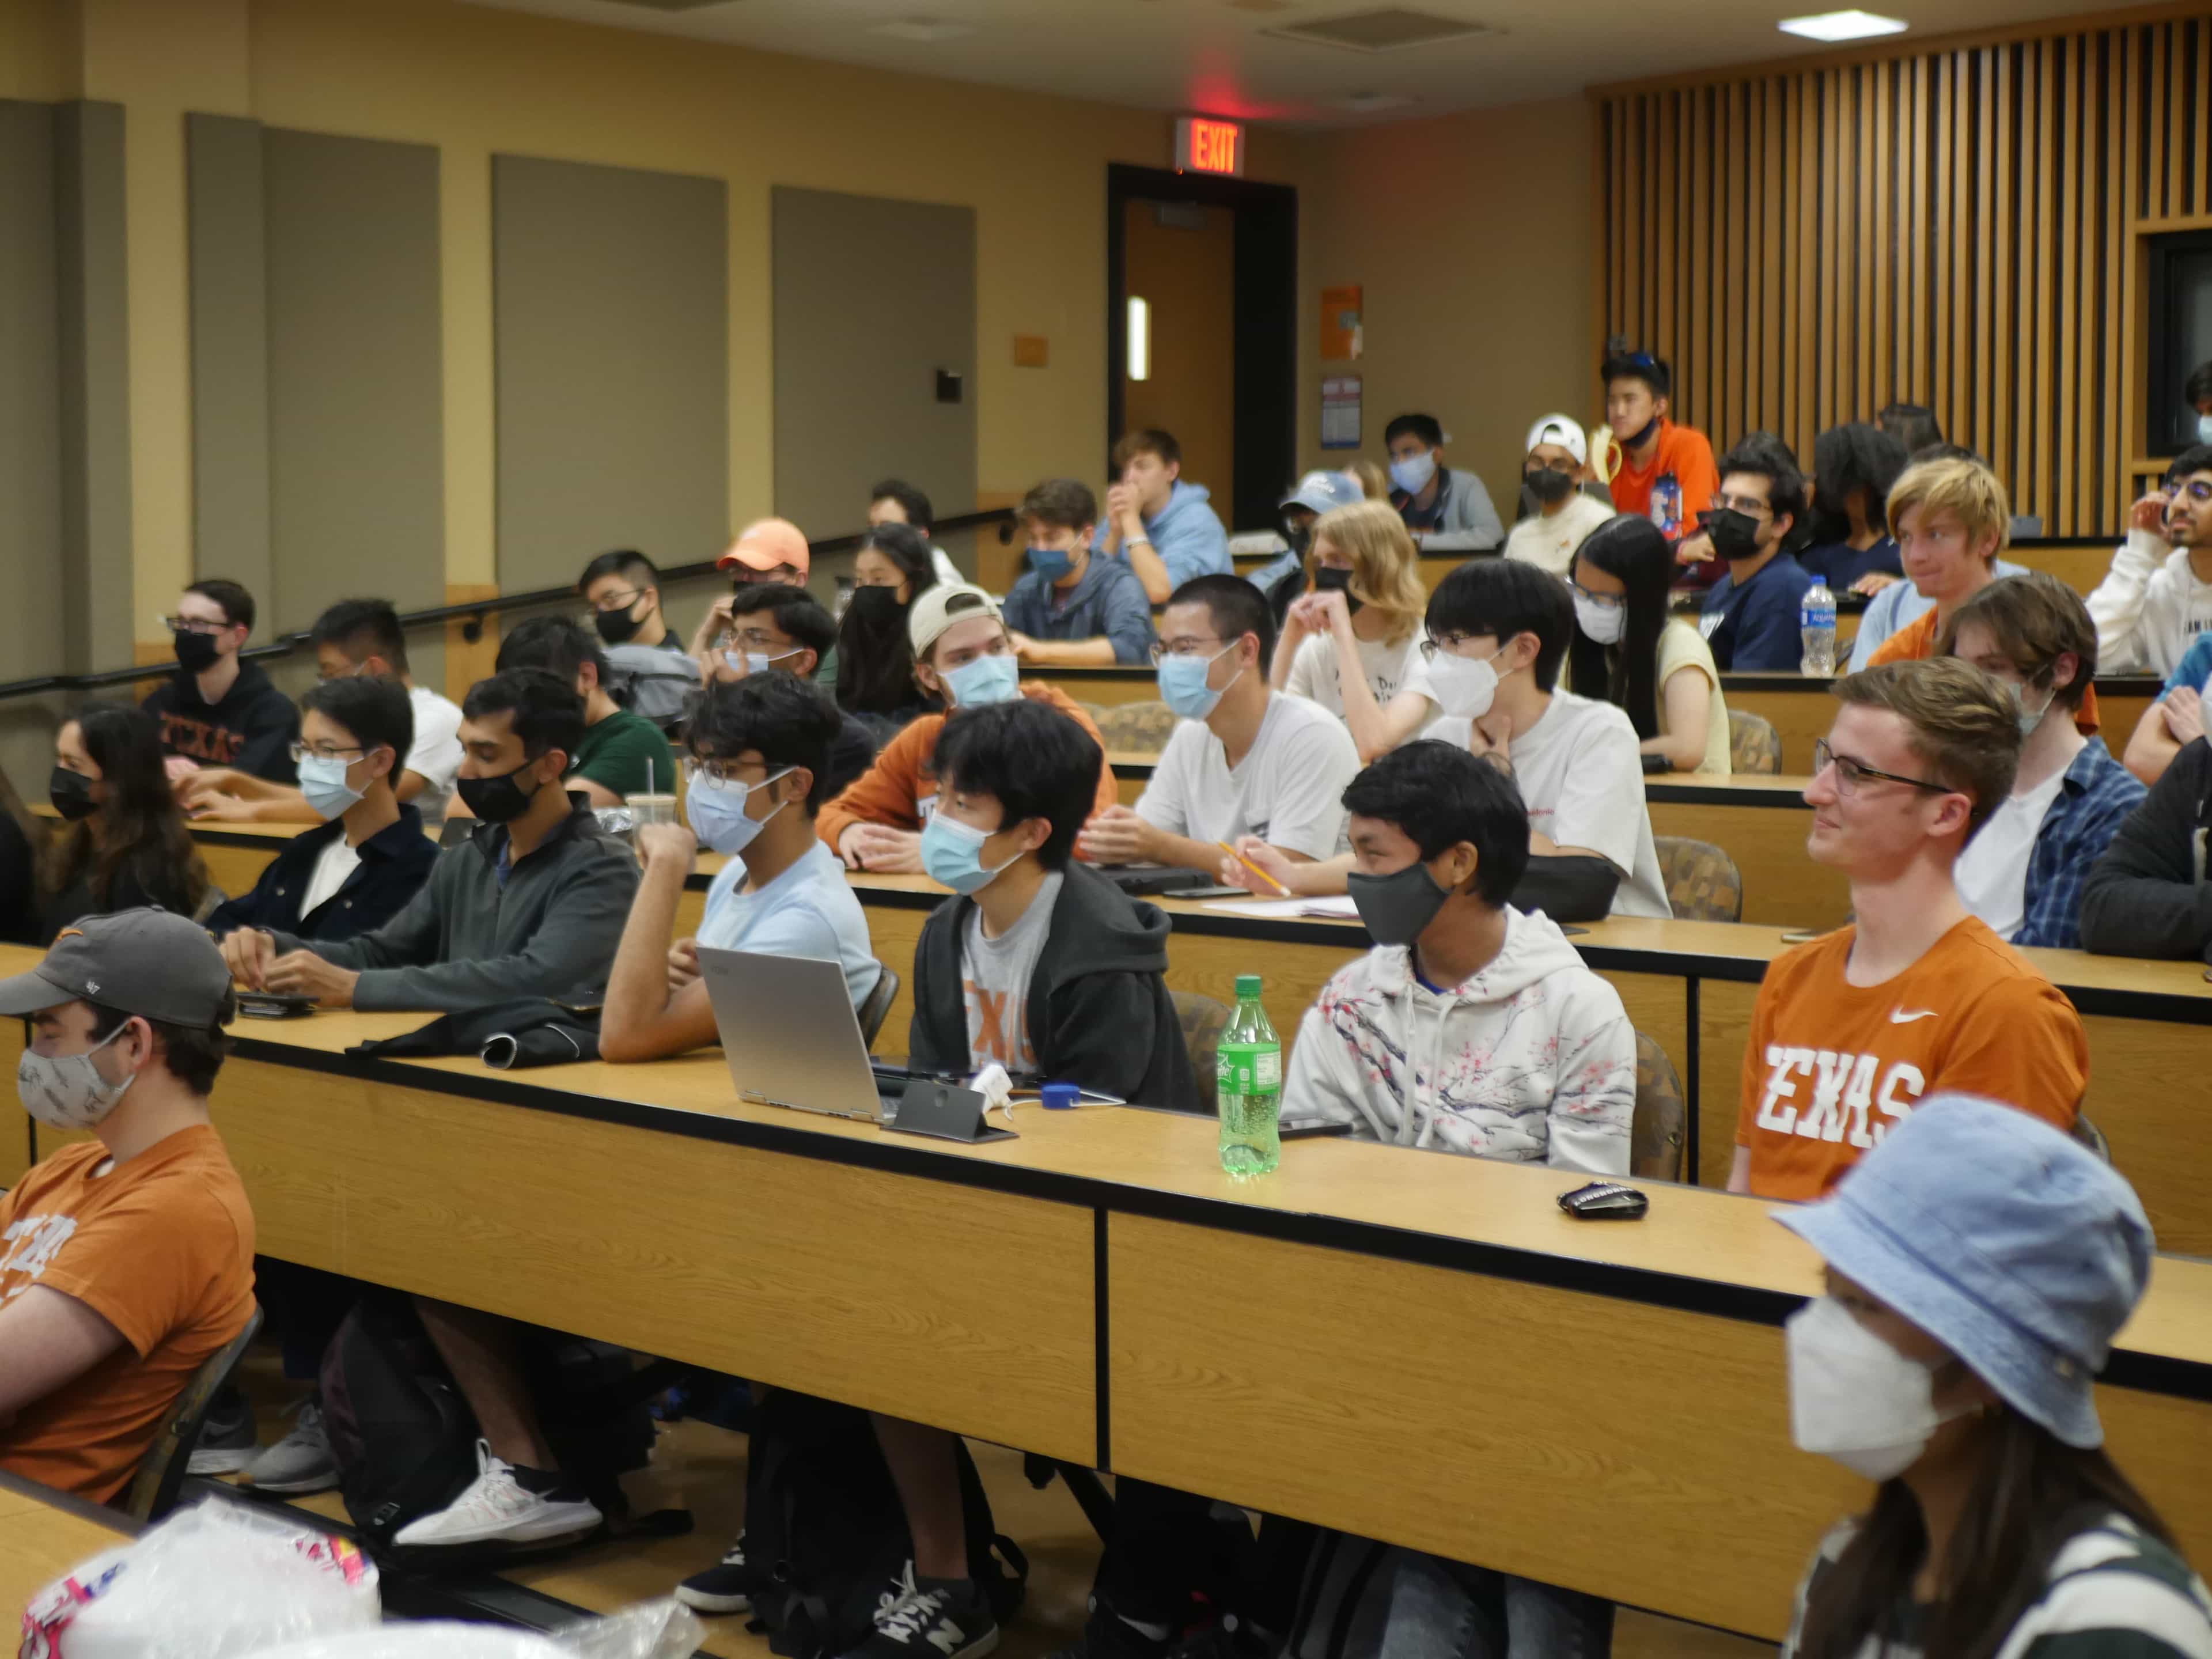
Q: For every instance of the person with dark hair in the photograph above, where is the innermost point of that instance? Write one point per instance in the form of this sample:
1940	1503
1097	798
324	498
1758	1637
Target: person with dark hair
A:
1667	472
623	754
361	865
216	710
2023	872
1048	968
1914	996
652	672
893	500
1915	427
122	842
125	1257
1632	650
965	658
1244	760
1073	607
530	906
354	638
2149	895
2156	599
1446	508
1854	465
1470	1026
875	664
1158	526
1498	631
1751	618
766	628
759	751
1978	1267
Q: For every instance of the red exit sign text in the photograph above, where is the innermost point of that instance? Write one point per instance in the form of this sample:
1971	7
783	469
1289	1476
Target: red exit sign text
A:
1204	146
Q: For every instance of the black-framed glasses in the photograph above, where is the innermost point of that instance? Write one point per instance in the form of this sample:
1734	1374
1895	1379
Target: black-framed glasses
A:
1188	647
195	625
1849	774
1604	601
300	751
1449	642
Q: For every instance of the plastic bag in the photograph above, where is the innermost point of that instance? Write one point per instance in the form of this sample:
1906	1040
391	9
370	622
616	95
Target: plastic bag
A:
217	1581
435	1638
662	1629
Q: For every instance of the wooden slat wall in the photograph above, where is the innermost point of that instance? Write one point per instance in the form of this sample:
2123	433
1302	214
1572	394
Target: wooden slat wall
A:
1956	228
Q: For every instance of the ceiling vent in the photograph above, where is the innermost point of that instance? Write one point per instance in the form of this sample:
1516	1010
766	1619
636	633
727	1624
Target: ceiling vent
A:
1390	29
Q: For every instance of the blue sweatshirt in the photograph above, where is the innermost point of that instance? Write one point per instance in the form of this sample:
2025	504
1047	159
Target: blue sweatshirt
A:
1753	629
1109	601
1186	534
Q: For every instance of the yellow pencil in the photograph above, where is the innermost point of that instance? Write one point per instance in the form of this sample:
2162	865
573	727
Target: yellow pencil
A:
1254	868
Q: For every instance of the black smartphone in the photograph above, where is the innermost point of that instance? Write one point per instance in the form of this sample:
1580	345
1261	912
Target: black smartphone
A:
267	1004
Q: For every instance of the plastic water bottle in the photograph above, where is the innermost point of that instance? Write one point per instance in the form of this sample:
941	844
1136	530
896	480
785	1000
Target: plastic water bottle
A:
1816	626
1249	1086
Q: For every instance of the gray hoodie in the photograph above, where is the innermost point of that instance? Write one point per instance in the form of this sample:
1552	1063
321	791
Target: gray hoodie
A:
1532	1060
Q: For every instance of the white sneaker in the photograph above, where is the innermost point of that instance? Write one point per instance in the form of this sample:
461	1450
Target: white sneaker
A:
496	1508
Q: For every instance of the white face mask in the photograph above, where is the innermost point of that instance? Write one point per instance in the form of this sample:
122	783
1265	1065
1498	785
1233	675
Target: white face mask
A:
65	1091
1605	623
1853	1397
1465	687
1413	474
2031	718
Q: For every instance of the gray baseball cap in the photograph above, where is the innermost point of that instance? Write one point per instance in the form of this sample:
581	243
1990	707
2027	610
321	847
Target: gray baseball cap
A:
1324	492
151	963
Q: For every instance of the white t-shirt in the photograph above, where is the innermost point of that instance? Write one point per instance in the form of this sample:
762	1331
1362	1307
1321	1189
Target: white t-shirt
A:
436	756
1388	669
1991	874
1580	771
807	911
1288	790
994	980
338	861
1551	543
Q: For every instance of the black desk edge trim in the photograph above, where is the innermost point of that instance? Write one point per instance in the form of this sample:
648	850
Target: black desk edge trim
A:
69	1504
1628	1284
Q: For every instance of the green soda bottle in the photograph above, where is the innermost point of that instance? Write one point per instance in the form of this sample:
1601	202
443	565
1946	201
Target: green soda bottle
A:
1249	1086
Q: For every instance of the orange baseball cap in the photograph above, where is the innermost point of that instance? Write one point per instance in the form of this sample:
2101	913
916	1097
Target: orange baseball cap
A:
765	543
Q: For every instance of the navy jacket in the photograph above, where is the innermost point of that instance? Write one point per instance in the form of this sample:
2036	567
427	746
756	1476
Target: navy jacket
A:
1753	629
395	862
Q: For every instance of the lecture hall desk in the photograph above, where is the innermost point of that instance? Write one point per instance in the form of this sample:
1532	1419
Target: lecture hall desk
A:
43	1533
1412	1346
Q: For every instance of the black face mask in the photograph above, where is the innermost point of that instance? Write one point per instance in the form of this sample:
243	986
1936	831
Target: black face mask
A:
1330	579
1300	536
1550	485
1643	437
1396	909
1735	535
875	607
497	800
71	795
196	653
617	627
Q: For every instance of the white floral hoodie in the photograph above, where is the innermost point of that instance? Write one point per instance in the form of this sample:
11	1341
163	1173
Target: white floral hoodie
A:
1531	1059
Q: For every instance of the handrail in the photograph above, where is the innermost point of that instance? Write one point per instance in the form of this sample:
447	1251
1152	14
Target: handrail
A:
471	613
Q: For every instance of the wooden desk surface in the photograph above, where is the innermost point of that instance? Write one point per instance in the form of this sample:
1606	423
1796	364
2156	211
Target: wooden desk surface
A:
43	1533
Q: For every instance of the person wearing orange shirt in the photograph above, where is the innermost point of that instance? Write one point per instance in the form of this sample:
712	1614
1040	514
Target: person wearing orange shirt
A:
1915	997
1667	472
126	1258
1952	518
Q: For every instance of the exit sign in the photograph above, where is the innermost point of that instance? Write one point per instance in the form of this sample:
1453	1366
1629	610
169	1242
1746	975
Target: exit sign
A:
1205	146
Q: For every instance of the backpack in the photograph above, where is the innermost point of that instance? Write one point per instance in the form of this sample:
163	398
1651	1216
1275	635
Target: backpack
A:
826	1536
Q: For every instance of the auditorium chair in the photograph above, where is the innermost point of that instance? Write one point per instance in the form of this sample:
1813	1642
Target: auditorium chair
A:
1703	884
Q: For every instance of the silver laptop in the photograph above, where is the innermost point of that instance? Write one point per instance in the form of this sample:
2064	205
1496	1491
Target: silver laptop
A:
789	1031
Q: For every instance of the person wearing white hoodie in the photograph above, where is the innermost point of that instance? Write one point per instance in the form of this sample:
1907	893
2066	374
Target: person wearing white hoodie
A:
2157	597
1471	1027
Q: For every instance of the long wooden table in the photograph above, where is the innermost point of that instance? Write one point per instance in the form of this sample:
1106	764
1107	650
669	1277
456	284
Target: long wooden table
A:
43	1533
1098	1290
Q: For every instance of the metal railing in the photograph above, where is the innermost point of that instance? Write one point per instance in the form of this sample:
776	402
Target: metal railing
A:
471	615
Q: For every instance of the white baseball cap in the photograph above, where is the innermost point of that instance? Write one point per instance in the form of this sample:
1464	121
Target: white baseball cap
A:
1560	430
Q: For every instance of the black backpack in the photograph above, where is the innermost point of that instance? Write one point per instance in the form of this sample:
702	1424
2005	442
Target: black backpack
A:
826	1536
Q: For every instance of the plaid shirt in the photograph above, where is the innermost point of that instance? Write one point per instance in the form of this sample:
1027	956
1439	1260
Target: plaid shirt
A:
2096	794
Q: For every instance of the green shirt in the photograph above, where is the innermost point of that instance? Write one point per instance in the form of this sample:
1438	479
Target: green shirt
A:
626	754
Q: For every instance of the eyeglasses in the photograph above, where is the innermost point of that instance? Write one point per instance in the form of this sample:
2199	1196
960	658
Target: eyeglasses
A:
194	625
1849	774
1187	647
2197	491
1450	642
1603	601
720	774
325	751
752	639
1749	505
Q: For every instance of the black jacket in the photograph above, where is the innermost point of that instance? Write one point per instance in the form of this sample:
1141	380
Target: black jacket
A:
137	882
1099	1013
395	862
2148	896
252	728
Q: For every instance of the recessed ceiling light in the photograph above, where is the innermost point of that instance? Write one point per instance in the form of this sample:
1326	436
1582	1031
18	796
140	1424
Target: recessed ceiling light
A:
1367	103
922	28
1841	26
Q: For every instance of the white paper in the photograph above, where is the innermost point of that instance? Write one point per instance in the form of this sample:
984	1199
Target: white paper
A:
1340	905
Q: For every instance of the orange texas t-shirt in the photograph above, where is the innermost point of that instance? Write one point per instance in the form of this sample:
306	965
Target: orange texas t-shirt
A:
1831	1066
1916	642
1683	454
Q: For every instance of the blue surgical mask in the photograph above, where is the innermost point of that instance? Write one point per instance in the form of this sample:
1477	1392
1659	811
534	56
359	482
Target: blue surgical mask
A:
717	812
1413	474
2204	429
755	662
323	782
1053	563
984	680
1183	687
952	854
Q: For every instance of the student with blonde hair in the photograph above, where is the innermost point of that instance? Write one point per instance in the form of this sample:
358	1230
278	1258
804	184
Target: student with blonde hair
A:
1353	644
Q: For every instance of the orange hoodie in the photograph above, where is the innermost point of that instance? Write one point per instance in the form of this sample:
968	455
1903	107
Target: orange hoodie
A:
893	791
